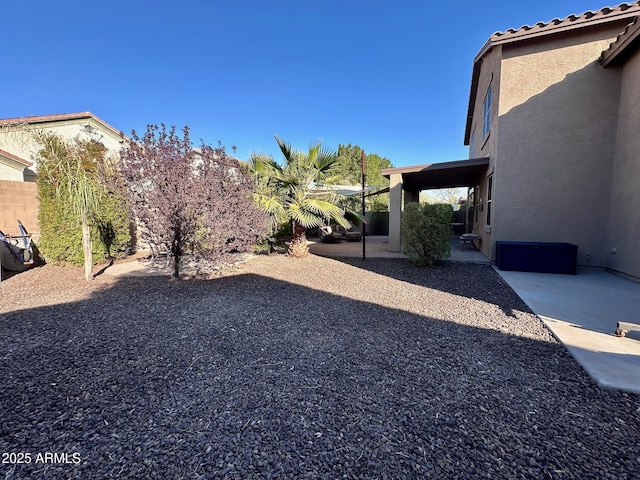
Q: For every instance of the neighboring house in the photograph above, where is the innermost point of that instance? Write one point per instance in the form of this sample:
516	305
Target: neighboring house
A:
552	130
15	168
18	151
18	160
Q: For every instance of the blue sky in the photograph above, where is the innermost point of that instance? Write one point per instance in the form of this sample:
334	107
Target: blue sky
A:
390	76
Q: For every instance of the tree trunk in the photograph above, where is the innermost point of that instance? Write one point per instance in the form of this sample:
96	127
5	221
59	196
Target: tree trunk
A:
176	267
176	251
86	247
298	247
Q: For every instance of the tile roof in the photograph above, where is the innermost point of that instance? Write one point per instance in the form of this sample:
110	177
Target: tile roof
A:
571	22
605	14
619	13
623	43
15	158
57	118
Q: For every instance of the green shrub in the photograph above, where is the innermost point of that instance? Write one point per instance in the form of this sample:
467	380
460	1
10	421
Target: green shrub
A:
284	230
425	232
60	230
378	223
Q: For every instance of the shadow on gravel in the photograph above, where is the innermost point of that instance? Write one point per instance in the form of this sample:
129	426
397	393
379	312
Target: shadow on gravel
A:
249	377
477	281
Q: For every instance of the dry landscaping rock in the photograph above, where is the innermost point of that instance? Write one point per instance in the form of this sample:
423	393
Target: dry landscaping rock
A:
312	368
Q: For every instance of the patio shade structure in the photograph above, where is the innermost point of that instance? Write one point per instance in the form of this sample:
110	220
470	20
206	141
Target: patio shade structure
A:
411	180
346	190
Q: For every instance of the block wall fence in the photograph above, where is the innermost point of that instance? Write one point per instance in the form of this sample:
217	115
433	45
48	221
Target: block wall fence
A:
19	201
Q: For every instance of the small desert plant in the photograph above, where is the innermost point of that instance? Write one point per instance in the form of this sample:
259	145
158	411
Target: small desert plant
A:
425	231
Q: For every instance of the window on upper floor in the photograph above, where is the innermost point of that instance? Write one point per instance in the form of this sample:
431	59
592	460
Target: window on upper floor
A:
486	114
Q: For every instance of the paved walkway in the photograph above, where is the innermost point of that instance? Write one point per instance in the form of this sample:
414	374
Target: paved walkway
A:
582	312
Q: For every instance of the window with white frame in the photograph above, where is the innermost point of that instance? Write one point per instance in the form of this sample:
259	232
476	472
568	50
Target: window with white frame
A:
486	114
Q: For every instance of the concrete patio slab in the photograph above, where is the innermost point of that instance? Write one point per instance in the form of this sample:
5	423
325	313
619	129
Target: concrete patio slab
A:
582	312
377	246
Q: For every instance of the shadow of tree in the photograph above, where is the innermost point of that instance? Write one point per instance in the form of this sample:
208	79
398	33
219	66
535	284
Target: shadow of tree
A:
249	376
469	280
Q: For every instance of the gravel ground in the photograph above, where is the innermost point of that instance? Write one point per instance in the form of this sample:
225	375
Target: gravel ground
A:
286	368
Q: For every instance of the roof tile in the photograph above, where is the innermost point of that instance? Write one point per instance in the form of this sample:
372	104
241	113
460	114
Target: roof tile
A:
16	158
571	21
630	33
57	118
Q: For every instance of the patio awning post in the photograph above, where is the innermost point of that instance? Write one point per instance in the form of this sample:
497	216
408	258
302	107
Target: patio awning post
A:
364	211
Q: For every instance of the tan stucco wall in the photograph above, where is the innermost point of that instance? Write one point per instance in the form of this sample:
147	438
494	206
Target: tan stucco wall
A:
9	172
624	216
395	211
557	124
490	74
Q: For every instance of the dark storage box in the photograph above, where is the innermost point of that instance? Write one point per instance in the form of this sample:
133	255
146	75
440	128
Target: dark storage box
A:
541	257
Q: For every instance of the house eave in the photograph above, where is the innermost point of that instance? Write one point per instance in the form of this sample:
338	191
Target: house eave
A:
572	22
589	19
44	119
628	41
15	159
457	173
475	76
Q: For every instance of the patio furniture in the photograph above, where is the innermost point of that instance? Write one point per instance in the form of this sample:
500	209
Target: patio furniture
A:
159	251
468	239
328	235
625	327
16	252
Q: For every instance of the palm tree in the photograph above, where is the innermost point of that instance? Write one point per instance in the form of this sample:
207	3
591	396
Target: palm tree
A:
289	192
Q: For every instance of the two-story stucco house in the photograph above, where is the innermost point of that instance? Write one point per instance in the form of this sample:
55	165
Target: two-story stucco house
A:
18	160
552	130
18	153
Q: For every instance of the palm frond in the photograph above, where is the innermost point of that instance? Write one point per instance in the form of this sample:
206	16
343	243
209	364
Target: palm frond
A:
270	204
304	217
290	155
322	208
326	161
274	209
263	165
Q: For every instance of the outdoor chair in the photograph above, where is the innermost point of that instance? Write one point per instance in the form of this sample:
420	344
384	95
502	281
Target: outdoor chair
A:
158	251
328	235
469	239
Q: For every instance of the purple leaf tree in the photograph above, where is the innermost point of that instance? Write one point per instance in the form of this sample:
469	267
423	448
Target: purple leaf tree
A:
190	201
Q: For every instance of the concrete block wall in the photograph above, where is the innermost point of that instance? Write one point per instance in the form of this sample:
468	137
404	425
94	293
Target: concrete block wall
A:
19	201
